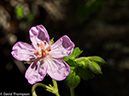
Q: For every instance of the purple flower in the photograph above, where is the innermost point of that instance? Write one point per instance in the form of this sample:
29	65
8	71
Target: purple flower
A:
46	59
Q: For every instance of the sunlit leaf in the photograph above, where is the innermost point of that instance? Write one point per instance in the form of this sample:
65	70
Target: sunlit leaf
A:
82	62
97	59
76	52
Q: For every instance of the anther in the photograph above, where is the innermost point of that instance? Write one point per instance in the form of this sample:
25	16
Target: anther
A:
38	44
40	55
48	48
36	52
45	43
47	54
41	45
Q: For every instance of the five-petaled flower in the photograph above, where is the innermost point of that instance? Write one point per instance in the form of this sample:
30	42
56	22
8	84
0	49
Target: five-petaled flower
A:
46	58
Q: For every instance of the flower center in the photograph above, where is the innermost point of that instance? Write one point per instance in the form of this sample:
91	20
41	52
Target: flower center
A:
44	50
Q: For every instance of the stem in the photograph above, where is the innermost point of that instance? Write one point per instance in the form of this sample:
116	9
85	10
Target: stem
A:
55	83
48	88
56	87
72	91
42	85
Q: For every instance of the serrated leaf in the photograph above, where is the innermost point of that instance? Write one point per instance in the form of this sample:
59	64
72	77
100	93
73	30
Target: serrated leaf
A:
94	67
73	79
84	73
97	59
76	52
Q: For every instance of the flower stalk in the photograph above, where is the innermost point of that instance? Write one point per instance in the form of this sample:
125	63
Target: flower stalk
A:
72	91
53	89
42	85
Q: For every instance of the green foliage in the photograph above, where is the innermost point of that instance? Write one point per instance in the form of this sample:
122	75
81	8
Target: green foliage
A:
97	59
85	74
19	12
72	63
83	67
76	52
82	62
94	67
73	79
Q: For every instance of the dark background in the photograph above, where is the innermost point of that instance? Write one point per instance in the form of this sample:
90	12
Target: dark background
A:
98	27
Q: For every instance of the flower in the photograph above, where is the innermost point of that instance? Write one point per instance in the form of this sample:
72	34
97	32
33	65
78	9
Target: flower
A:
46	58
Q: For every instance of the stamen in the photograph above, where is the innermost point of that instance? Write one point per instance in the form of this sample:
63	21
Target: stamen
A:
43	51
41	45
47	54
38	44
45	43
36	52
48	48
40	55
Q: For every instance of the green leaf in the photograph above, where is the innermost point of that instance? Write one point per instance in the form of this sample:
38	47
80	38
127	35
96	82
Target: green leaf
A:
82	62
66	58
71	58
94	67
72	63
84	73
97	59
76	52
93	63
73	79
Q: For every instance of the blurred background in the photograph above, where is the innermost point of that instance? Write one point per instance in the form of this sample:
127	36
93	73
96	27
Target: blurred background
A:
98	27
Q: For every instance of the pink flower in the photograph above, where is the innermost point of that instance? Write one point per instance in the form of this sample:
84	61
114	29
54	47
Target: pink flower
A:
46	59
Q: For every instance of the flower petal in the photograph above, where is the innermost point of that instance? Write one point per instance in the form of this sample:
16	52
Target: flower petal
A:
23	51
62	47
36	72
38	34
58	69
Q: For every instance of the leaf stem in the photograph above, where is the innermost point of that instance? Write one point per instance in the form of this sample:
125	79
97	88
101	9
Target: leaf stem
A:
55	87
72	91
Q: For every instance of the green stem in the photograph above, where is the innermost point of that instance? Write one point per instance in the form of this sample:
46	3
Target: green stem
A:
72	91
55	87
42	85
52	89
